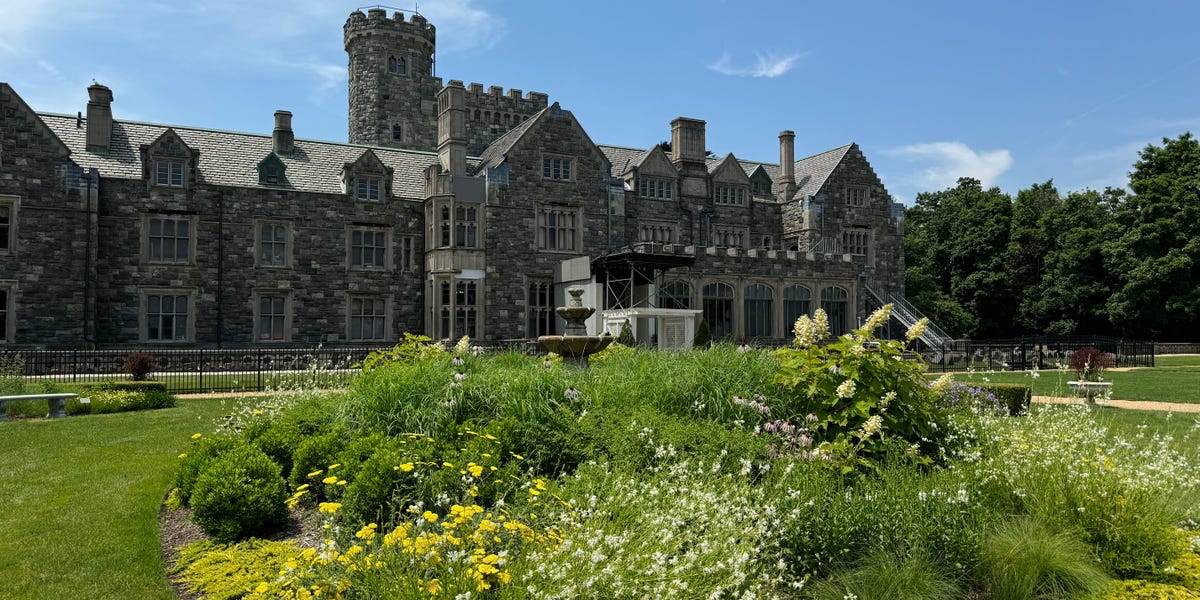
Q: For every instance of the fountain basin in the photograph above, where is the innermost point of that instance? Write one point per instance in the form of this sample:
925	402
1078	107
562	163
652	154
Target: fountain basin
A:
575	347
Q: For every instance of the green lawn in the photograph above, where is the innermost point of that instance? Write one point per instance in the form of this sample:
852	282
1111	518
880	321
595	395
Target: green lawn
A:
1176	360
80	497
1173	383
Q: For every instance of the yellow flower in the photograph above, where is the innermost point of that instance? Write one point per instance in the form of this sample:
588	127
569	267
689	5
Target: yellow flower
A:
334	466
184	455
302	488
448	465
330	480
406	467
517	456
262	588
315	473
341	482
475	469
196	436
430	516
329	508
434	586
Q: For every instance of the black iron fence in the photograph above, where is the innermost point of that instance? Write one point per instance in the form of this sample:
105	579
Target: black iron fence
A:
197	370
1021	354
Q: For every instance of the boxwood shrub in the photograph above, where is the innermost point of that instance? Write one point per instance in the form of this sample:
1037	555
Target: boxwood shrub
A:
1015	396
240	494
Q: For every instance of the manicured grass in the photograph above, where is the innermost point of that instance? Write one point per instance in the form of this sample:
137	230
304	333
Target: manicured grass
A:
1177	360
1183	427
80	497
1162	384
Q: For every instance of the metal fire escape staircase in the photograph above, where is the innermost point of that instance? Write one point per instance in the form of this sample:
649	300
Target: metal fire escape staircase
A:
907	315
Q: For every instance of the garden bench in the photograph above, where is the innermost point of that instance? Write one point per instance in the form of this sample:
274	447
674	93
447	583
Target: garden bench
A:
57	402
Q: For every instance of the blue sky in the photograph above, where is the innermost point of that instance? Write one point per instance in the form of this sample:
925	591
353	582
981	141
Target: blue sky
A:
1012	93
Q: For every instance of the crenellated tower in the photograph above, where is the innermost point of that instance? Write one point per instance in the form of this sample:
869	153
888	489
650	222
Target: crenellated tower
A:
392	87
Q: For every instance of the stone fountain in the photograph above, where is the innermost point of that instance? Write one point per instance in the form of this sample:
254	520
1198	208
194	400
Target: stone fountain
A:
575	345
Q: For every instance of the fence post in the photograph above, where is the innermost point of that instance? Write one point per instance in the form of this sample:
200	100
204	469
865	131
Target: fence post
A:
258	369
200	365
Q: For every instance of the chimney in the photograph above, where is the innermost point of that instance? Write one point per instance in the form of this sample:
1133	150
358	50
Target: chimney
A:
282	139
452	128
99	118
687	141
787	162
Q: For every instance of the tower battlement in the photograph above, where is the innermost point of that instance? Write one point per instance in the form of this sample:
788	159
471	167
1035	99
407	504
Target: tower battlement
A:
377	23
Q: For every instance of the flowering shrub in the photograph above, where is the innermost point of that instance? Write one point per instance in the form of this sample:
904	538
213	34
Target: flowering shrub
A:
466	550
139	365
414	348
860	391
1089	363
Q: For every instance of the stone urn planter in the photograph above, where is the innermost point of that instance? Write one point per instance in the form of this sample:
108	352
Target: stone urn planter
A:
1090	389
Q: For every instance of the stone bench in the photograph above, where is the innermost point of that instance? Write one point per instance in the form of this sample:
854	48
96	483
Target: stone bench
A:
58	403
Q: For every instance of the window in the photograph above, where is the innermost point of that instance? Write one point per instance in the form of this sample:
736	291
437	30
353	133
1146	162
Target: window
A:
762	187
539	302
368	319
834	303
169	239
167	317
169	173
464	226
556	168
8	224
272	245
856	196
855	241
368	249
729	194
797	301
659	233
766	242
270	175
758	301
272	318
445	226
6	326
397	65
556	229
408	256
675	295
655	187
458	310
397	131
367	188
718	309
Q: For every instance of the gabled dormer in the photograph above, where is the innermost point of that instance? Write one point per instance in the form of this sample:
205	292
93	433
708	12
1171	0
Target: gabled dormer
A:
654	176
271	170
731	185
367	178
168	162
760	183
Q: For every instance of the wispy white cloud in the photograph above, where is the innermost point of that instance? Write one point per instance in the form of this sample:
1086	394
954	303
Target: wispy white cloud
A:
945	162
766	64
464	25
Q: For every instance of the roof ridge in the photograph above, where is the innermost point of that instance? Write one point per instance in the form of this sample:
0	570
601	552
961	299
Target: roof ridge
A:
245	133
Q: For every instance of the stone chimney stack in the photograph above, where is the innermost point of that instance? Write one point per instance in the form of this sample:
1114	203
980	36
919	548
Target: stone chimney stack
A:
687	141
452	128
99	118
282	138
787	162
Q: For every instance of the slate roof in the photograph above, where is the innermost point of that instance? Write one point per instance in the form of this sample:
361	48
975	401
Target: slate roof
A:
230	158
811	171
494	154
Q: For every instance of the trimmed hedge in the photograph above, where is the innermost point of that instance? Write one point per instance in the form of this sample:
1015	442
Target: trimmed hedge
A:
1016	396
130	386
238	495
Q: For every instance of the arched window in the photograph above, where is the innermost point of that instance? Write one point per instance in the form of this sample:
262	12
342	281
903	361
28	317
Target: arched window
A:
477	114
834	303
676	294
718	309
797	301
758	302
397	65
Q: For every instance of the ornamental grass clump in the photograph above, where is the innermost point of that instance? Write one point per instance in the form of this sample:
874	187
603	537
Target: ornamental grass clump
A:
1025	560
886	575
862	391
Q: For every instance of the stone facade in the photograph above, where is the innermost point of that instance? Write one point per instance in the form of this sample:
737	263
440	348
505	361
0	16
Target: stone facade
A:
453	211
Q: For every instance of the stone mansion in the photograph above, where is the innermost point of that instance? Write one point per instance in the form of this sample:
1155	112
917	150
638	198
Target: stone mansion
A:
453	210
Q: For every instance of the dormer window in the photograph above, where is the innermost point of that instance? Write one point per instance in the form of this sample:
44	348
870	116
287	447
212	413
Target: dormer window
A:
655	187
271	170
397	65
729	195
367	188
762	188
169	173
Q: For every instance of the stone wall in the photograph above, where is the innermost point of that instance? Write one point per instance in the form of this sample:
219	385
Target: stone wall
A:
44	270
493	112
223	275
